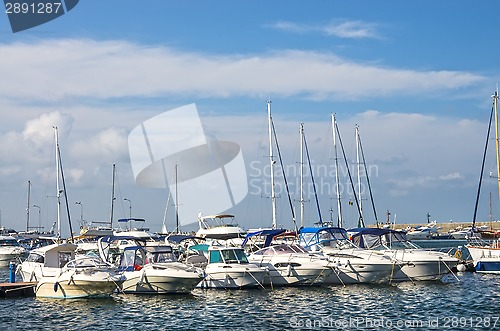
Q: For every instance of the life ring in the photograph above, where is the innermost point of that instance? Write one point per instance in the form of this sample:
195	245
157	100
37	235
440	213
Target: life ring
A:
458	254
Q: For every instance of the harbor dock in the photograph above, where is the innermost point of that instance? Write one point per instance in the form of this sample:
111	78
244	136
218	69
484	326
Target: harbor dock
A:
23	289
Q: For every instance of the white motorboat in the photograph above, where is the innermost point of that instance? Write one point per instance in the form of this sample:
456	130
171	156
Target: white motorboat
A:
352	264
10	250
155	270
228	267
423	232
485	255
417	264
220	226
290	264
61	274
287	264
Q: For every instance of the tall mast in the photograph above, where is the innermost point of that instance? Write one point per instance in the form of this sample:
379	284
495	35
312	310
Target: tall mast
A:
271	160
59	191
301	133
176	202
337	184
28	208
495	107
359	174
112	196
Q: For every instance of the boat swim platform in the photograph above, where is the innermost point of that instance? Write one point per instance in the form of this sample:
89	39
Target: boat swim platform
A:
23	289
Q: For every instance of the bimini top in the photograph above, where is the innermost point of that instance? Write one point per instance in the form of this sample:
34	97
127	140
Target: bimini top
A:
375	237
217	216
268	233
178	238
309	237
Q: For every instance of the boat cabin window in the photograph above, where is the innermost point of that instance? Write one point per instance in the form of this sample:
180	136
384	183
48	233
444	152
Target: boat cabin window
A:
215	257
132	259
228	256
33	257
9	242
64	257
234	256
163	257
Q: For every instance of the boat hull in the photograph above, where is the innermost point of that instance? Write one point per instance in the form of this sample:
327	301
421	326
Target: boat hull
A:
486	258
48	287
424	265
222	276
359	273
160	281
292	270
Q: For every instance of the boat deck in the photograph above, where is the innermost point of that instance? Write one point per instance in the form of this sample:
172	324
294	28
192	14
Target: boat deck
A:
23	289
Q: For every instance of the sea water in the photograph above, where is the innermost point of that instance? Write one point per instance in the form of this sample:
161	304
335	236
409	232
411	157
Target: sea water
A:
467	303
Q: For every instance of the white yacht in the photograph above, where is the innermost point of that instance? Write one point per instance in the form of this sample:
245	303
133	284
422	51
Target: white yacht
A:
417	263
352	264
10	250
155	270
228	267
287	264
221	226
61	274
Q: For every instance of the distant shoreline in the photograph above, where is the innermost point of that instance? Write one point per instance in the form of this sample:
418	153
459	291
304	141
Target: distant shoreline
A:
445	227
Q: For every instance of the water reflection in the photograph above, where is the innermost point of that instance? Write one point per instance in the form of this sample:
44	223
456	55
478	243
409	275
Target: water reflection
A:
475	295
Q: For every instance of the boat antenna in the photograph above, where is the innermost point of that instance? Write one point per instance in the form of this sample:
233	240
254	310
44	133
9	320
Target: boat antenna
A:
484	160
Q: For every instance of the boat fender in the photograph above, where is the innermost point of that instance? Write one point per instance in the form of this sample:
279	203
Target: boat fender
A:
289	270
458	255
56	286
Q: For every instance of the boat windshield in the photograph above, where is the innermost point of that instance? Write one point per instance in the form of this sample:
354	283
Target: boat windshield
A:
163	257
228	256
391	240
132	259
281	249
9	242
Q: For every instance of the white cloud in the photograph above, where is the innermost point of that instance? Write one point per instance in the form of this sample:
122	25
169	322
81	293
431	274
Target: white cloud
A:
65	69
338	28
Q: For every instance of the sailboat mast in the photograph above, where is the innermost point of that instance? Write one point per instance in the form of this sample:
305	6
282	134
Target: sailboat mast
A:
337	184
57	184
112	196
28	208
359	174
271	160
176	202
495	106
301	134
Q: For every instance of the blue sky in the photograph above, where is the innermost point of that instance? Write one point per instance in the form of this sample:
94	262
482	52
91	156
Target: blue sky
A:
416	77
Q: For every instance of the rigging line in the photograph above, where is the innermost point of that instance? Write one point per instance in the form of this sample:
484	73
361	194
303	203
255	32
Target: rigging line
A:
361	223
284	177
65	193
166	206
312	178
482	169
368	180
